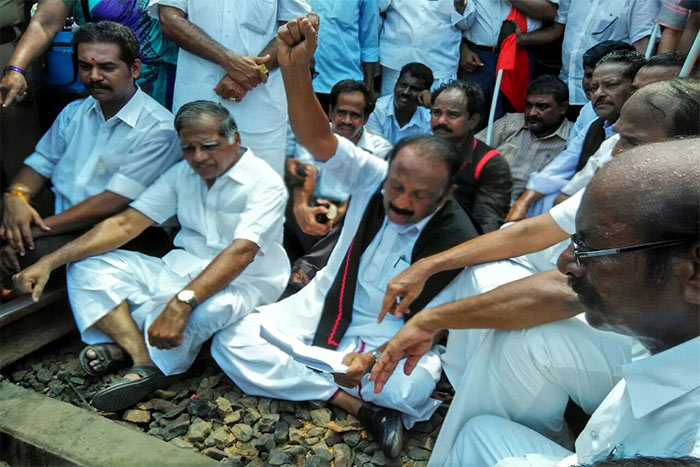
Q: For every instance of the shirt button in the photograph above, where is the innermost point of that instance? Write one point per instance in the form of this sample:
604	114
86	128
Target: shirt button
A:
594	434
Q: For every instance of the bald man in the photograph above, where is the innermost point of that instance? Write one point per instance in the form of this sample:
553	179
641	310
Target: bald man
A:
634	264
522	293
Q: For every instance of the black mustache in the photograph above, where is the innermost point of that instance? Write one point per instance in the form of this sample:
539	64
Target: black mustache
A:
96	86
442	127
402	212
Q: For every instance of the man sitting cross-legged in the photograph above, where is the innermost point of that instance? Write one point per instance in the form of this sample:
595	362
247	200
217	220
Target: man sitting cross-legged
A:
400	211
228	260
634	264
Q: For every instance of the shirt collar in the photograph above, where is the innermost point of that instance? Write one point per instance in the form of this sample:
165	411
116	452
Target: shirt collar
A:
609	129
415	118
129	113
242	171
655	381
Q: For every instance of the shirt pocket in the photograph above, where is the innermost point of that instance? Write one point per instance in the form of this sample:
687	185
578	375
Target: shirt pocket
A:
604	25
259	16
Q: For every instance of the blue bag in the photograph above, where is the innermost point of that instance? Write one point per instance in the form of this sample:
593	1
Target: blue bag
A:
60	70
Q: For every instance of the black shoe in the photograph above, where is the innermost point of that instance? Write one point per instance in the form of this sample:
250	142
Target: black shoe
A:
386	426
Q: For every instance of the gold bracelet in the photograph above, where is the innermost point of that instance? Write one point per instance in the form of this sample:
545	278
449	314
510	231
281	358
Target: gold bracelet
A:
19	193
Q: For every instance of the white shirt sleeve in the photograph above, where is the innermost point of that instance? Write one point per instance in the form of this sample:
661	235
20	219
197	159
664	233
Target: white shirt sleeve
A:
564	213
153	6
52	145
264	211
143	164
354	167
159	201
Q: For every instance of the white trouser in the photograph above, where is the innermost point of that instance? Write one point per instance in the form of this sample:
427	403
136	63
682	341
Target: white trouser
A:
261	369
489	440
98	284
462	343
270	146
528	376
391	76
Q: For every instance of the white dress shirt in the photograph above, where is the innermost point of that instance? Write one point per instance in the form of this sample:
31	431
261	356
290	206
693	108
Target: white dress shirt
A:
382	121
653	411
362	173
247	202
589	22
327	185
425	31
244	27
601	157
84	155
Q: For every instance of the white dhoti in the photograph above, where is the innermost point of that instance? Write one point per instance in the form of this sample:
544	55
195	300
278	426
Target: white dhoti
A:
528	376
98	284
491	440
261	369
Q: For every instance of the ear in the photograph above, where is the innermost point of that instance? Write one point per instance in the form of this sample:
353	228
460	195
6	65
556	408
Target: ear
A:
691	291
236	139
474	121
563	108
136	68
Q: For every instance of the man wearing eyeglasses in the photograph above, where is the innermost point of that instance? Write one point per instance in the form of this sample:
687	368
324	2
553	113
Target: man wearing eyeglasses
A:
516	294
635	267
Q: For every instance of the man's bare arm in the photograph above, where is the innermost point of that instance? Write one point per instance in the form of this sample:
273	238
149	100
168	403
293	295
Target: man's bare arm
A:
537	9
296	44
545	35
528	302
166	332
105	236
527	236
84	214
49	18
18	215
243	69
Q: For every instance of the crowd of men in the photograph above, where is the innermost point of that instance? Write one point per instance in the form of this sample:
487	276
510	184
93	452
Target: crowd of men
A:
297	201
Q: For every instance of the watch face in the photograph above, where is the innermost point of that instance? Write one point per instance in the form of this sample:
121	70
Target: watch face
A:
185	295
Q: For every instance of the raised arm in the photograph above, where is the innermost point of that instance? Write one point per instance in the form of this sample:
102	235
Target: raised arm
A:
532	301
105	236
48	20
527	236
296	44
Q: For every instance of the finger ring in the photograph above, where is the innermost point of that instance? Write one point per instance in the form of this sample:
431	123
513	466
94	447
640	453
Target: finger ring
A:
263	69
231	99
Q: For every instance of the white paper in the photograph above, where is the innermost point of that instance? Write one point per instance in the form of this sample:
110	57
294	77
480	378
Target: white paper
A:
318	358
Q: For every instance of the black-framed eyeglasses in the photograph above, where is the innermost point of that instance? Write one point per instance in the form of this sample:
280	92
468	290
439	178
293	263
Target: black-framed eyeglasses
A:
581	251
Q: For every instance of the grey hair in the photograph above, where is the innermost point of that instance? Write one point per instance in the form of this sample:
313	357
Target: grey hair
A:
190	115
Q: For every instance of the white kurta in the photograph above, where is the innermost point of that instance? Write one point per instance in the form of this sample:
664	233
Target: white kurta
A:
83	154
247	202
244	27
527	375
652	411
261	369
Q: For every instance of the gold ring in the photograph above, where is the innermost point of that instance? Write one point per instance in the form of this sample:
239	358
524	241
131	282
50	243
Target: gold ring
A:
264	69
231	99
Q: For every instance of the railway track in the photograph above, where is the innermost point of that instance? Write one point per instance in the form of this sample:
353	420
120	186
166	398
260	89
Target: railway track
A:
26	326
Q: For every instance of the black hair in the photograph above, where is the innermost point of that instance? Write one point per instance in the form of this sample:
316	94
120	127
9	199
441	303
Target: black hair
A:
632	60
348	86
473	93
549	84
190	115
431	147
110	32
420	71
598	51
